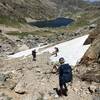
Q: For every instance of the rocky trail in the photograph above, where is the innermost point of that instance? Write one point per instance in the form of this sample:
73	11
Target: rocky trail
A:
23	79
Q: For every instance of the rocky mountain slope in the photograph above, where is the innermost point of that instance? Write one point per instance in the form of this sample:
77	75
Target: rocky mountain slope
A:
89	68
23	79
36	9
25	8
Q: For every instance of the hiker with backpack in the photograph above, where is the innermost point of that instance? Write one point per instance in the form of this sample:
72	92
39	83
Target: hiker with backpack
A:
65	75
34	54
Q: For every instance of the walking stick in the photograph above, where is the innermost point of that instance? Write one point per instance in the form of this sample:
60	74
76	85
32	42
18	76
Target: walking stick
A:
51	72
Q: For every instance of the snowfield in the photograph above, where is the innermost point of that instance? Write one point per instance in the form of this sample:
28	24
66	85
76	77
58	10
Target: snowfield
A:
26	52
72	51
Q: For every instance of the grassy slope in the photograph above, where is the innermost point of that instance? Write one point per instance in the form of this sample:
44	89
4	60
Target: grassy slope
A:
11	21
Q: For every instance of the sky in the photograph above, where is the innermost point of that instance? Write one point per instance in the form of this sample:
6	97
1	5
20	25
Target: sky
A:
94	0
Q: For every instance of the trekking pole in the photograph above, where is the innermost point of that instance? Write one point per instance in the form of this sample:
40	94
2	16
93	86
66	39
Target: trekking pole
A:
51	72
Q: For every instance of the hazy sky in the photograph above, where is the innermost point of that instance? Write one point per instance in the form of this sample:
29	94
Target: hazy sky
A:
94	0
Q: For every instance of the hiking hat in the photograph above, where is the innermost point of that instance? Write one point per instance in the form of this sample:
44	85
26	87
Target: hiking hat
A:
61	60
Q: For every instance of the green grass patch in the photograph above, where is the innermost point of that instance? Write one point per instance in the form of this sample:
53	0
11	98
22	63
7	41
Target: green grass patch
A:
83	20
37	32
77	24
10	21
2	38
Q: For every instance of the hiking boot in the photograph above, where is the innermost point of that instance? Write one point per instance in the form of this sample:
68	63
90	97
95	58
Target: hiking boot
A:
64	92
59	92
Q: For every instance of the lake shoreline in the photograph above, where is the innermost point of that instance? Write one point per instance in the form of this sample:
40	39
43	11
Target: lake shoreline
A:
58	22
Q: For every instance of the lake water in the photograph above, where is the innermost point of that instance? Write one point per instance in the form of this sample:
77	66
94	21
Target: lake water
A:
52	23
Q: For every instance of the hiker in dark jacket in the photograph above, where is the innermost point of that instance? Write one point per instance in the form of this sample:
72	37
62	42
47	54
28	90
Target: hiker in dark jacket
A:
34	55
65	75
56	51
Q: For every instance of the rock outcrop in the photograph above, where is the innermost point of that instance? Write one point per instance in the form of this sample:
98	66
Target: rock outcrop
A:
89	68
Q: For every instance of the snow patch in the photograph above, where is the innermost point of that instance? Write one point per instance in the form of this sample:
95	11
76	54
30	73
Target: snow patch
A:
72	51
26	52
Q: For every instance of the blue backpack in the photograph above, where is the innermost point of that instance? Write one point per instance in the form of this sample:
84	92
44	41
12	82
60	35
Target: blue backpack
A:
65	72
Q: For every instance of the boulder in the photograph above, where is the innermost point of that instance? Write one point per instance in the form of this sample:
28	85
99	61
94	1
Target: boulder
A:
10	84
20	88
97	90
92	88
3	78
93	52
23	47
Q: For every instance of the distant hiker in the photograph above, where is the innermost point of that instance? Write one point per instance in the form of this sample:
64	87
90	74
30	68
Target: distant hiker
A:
65	75
34	54
56	51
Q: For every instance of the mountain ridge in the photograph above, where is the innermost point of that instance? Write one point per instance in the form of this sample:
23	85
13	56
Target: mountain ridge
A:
37	9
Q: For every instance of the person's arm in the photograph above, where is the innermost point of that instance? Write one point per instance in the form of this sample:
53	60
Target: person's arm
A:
55	67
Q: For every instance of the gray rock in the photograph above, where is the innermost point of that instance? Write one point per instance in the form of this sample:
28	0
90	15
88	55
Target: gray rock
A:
92	88
97	90
23	47
10	84
96	97
4	97
3	77
38	70
20	88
